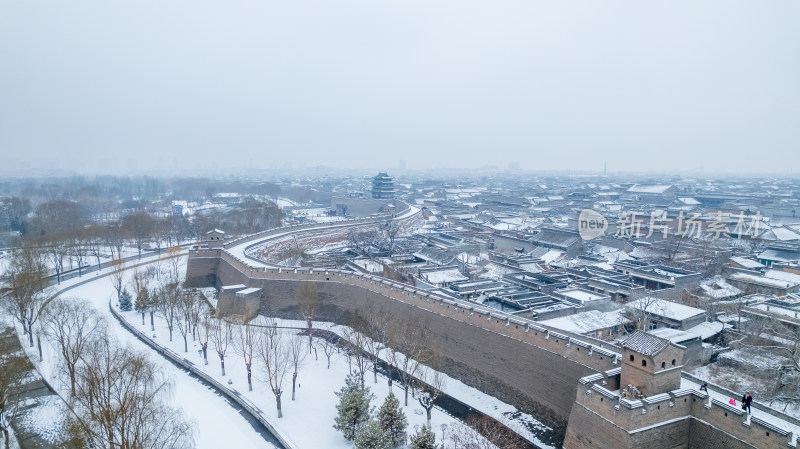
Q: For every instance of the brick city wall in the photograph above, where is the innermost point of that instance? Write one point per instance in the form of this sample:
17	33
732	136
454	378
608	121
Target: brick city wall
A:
521	363
598	415
528	366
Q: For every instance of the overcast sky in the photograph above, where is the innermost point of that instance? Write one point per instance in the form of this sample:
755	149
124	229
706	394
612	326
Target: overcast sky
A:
105	86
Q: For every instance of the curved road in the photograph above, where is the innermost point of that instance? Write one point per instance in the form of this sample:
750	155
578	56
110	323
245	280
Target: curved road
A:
218	422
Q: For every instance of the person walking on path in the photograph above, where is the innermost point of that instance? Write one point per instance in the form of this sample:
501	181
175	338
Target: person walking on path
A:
746	400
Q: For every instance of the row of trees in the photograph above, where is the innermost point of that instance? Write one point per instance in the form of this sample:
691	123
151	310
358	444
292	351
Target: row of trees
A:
120	398
118	395
65	221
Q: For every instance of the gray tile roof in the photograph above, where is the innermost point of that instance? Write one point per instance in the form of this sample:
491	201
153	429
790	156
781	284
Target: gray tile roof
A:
646	344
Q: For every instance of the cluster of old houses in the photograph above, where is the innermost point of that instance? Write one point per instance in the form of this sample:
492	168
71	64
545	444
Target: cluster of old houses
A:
714	250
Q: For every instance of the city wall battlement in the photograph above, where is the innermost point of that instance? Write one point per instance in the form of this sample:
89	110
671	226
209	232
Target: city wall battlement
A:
520	362
679	418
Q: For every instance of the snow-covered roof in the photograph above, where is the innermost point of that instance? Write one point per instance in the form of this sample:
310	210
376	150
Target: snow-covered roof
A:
716	287
762	280
783	276
444	276
653	189
745	262
665	309
586	322
780	234
581	295
707	329
215	231
646	344
676	336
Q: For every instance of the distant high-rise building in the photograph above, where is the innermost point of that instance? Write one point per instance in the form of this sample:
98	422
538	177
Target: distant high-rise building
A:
383	186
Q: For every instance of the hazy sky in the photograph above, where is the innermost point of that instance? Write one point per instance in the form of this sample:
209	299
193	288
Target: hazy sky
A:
554	85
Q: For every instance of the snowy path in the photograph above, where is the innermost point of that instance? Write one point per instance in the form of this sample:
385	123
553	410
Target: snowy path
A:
217	423
315	403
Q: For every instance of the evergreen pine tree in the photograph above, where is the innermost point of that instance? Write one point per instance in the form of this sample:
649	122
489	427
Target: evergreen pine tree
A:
125	303
423	439
353	408
393	420
372	436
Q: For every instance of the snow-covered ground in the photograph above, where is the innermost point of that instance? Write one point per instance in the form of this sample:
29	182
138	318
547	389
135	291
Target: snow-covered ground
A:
315	404
217	424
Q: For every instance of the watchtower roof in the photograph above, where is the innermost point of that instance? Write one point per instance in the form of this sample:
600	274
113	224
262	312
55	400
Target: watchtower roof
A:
645	344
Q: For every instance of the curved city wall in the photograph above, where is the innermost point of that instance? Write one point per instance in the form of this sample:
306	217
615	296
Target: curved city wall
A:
522	364
514	359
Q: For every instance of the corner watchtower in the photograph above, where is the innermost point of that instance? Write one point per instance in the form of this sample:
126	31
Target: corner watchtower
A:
215	239
651	364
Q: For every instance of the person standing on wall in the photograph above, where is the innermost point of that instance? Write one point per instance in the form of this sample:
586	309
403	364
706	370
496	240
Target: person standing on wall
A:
746	400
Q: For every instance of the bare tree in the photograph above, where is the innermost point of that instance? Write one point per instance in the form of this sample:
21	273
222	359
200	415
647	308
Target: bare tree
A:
391	228
139	286
410	349
121	402
56	250
356	349
361	240
183	319
308	298
114	238
79	249
197	308
482	433
244	343
642	309
328	348
298	355
175	262
205	331
433	382
14	369
275	360
118	274
167	304
769	337
139	227
221	334
378	325
72	324
94	244
25	290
